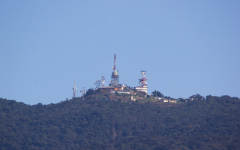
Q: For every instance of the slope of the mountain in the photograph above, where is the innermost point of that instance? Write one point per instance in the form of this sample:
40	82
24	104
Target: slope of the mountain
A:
105	124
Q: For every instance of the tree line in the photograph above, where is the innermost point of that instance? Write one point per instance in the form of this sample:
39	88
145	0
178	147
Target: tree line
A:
213	123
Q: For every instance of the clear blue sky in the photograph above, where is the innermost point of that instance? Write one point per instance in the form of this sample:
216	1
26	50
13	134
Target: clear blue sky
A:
186	47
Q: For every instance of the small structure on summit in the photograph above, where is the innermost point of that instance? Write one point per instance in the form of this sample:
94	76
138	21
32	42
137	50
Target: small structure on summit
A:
143	83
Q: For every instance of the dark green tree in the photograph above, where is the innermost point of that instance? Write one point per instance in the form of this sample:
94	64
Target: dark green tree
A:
213	123
157	94
90	92
197	97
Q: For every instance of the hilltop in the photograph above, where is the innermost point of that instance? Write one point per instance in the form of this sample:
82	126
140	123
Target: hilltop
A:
213	123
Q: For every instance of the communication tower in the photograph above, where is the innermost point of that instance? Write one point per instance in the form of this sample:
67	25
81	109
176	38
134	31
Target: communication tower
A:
143	80
74	90
98	83
143	83
103	81
114	76
83	91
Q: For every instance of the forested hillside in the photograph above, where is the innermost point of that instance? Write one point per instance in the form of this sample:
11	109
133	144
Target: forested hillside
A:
213	123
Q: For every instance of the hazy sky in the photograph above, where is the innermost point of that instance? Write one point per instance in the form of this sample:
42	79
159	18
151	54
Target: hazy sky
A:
186	47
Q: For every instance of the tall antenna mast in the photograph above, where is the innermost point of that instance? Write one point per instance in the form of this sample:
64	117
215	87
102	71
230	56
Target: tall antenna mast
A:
114	62
74	90
114	76
103	81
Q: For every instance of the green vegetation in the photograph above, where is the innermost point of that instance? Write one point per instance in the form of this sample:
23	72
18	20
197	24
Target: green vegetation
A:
90	92
213	123
157	94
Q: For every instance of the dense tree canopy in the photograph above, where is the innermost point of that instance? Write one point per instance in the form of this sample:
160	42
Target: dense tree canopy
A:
157	94
106	124
196	97
90	92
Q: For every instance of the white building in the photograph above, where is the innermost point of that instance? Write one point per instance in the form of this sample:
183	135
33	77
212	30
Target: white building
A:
142	88
143	83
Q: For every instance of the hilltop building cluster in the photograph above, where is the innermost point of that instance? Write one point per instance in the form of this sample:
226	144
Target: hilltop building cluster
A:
114	86
126	93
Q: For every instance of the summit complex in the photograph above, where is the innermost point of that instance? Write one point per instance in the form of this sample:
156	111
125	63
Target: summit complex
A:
115	86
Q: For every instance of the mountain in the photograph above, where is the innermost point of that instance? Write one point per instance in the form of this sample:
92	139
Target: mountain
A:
213	123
